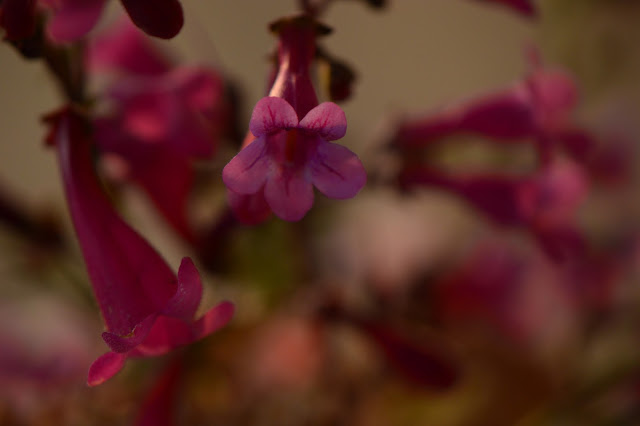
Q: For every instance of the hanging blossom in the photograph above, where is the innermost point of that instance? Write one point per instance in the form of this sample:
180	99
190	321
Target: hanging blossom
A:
70	20
545	202
147	310
161	117
289	149
538	109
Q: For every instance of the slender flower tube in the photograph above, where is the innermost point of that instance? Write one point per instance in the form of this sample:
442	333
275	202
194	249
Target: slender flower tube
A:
289	149
147	310
537	109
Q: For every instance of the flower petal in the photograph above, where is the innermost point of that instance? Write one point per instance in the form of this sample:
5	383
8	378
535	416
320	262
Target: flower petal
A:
248	170
185	302
74	19
215	318
158	18
271	114
105	368
327	120
122	344
337	172
289	195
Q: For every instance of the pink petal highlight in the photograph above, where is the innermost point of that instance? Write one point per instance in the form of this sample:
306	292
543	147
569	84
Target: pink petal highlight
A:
327	120
74	19
105	367
215	318
290	196
271	114
247	172
123	47
158	18
337	172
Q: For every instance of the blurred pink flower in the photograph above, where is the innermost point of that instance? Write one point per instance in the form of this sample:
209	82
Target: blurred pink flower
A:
287	152
72	19
512	291
147	309
162	117
545	202
536	110
289	156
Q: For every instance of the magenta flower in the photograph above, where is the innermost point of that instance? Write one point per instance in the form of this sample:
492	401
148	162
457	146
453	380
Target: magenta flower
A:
72	19
536	110
147	310
160	118
288	149
545	202
289	157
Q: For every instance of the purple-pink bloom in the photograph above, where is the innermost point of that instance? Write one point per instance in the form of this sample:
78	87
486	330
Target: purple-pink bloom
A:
290	156
160	118
147	310
288	149
538	109
546	202
72	19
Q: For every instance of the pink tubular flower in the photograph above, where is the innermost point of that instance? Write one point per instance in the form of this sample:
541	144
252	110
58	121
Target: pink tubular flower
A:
289	149
538	109
72	19
289	156
545	202
161	118
147	310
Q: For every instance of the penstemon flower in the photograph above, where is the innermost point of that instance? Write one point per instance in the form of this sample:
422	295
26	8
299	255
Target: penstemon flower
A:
289	156
289	149
147	310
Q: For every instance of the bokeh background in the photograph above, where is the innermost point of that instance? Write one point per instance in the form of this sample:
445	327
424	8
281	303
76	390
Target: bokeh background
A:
414	56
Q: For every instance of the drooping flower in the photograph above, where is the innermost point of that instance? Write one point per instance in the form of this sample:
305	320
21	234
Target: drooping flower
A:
545	202
289	156
289	149
147	310
538	110
161	117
